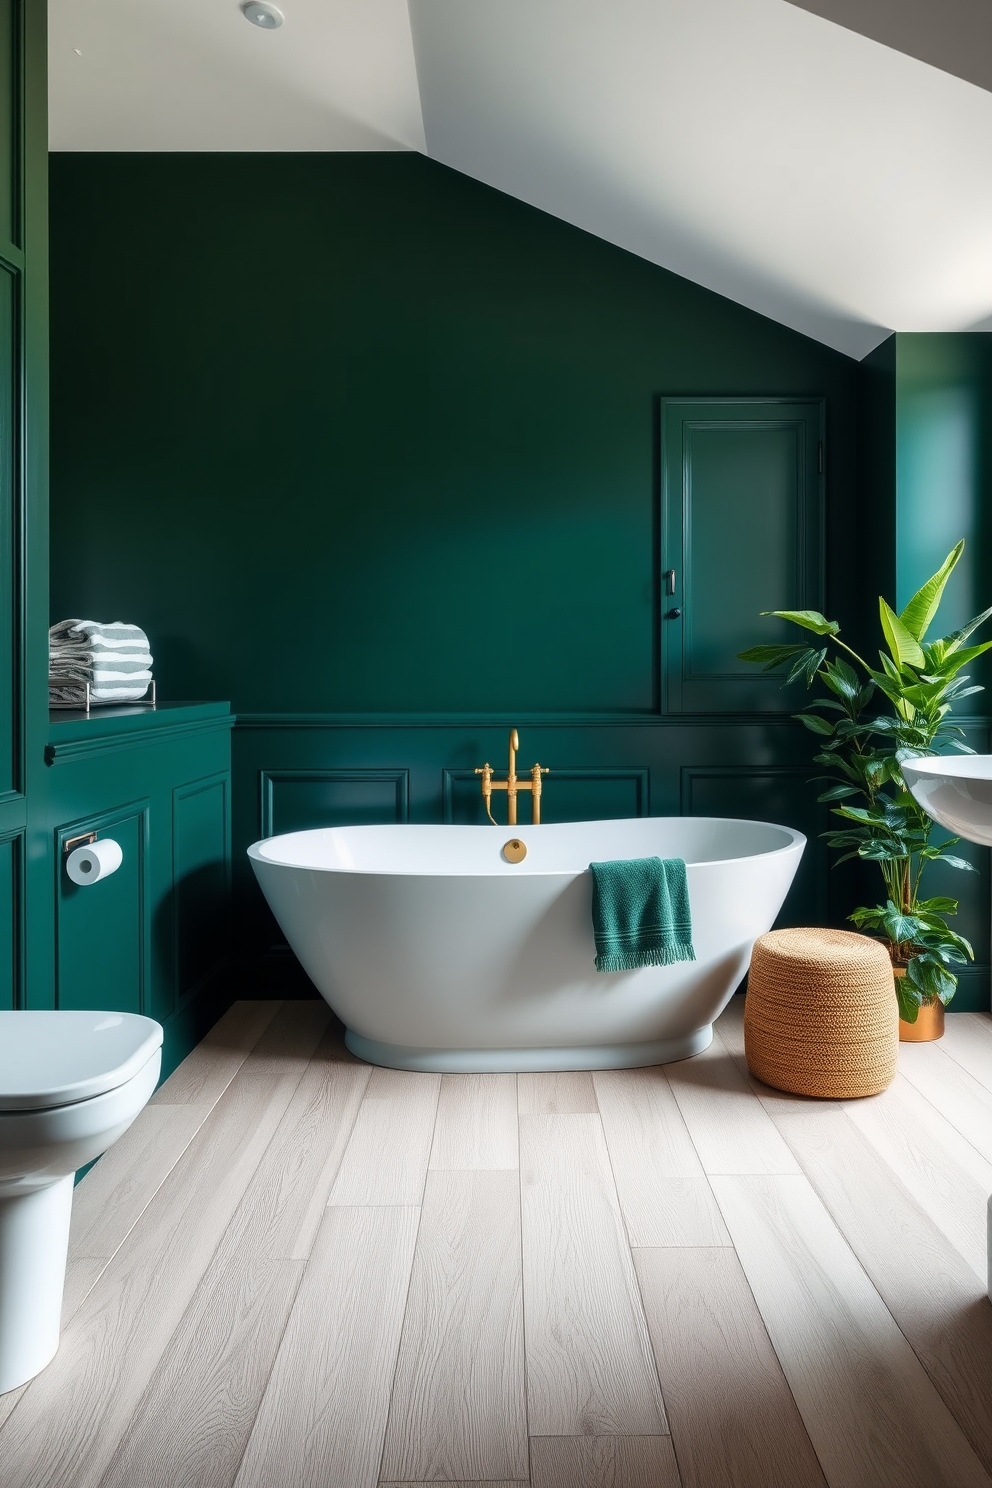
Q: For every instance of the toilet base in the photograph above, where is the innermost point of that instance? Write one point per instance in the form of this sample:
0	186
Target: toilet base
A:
34	1240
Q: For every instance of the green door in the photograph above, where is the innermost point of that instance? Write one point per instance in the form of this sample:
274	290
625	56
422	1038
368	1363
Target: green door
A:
742	531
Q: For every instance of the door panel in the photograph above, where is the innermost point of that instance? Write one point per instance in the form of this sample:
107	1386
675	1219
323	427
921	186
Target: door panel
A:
742	531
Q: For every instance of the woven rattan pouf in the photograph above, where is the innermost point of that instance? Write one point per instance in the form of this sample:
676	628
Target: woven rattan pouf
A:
820	1016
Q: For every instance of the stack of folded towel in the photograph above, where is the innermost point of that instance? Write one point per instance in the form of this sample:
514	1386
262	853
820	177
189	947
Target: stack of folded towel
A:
113	658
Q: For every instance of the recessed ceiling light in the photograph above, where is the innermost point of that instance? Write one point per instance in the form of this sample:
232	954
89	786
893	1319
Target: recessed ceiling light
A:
264	15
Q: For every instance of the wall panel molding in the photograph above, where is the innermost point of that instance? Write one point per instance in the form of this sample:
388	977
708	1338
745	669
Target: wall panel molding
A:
201	882
12	922
103	932
370	793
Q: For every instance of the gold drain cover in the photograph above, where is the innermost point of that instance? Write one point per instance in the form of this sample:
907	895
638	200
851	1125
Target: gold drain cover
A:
514	851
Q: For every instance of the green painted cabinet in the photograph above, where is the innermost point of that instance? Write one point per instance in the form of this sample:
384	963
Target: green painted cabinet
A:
742	531
153	937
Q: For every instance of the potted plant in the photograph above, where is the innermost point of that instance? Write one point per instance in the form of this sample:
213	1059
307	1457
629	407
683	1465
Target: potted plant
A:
861	748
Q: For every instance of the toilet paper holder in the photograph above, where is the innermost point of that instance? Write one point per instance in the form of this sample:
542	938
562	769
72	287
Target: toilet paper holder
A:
71	843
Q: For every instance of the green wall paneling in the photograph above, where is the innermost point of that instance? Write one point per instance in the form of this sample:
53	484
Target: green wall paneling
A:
779	793
11	123
742	531
201	881
11	921
103	938
24	484
10	640
292	800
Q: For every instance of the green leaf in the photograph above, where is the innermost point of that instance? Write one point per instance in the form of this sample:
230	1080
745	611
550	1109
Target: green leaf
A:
909	998
959	659
808	619
954	862
806	667
842	679
839	793
769	656
939	905
952	642
814	723
903	645
918	614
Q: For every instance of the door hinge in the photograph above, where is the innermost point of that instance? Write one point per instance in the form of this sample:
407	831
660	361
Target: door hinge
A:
819	458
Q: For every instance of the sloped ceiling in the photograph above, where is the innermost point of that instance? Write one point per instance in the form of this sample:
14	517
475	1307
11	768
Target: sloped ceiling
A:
820	176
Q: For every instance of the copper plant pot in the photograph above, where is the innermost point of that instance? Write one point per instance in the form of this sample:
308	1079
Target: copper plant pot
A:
929	1023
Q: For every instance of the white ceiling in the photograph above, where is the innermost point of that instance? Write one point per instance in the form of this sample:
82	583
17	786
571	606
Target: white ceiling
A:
820	177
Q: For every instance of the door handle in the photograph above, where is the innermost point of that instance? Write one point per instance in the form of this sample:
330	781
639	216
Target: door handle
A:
673	615
669	581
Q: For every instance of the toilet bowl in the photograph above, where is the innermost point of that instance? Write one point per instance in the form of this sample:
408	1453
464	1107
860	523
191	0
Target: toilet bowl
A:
71	1083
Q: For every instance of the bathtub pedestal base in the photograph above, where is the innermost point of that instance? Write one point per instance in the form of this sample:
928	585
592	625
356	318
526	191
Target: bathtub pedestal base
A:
521	1061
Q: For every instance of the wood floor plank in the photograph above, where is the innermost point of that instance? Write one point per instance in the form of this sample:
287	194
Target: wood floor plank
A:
968	1040
303	1158
729	1128
385	1161
464	1483
293	1035
205	1074
603	1462
556	1093
458	1406
196	1416
947	1177
117	1189
194	1420
476	1125
81	1275
323	1416
733	1420
590	1369
75	1413
664	1194
965	1103
871	1412
8	1401
948	1320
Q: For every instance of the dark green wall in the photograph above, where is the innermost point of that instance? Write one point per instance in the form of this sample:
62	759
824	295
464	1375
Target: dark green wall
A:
362	442
365	435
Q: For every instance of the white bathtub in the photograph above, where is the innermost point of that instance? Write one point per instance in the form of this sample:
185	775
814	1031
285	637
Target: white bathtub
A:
438	954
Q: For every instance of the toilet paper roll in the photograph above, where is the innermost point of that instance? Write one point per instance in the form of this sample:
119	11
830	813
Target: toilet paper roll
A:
86	865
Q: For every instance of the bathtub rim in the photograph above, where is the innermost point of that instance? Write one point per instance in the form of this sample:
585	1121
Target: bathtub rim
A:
516	871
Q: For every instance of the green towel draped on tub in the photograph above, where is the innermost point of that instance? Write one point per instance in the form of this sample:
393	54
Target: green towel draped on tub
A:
640	913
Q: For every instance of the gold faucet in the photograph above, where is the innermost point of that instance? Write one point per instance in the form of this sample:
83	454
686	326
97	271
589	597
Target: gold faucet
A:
512	785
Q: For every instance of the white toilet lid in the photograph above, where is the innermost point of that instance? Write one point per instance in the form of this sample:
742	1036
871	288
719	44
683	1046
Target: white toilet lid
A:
55	1058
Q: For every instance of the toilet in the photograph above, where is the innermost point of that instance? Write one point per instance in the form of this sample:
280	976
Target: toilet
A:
71	1083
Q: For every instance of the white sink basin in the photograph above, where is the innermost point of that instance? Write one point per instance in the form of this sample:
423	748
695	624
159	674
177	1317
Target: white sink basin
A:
956	791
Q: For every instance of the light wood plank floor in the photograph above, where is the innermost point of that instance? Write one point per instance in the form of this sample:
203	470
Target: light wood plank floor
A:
296	1271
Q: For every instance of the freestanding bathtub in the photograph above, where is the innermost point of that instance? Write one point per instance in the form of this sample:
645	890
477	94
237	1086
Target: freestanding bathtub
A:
439	954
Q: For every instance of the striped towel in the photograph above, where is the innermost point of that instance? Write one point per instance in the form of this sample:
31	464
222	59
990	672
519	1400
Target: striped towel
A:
114	658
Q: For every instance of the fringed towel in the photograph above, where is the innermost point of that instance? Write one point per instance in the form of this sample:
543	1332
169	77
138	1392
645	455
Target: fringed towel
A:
640	913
